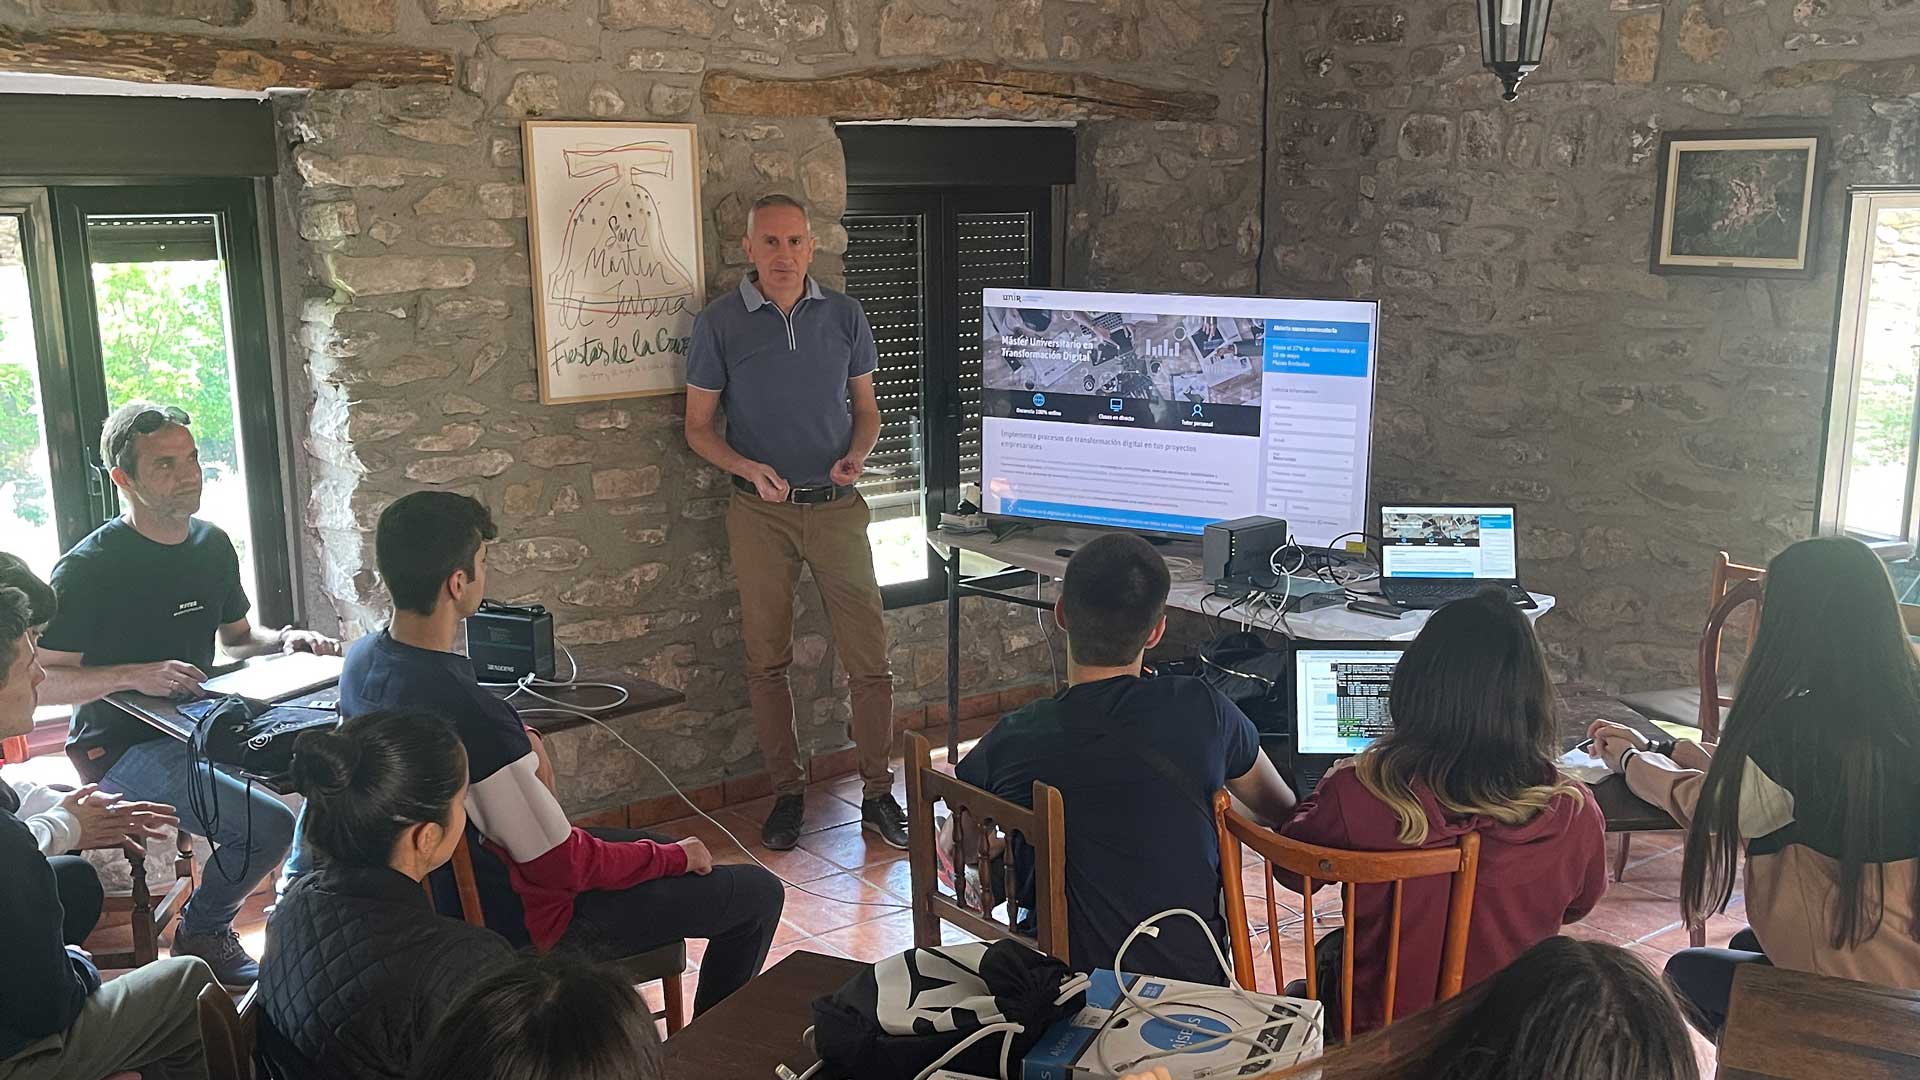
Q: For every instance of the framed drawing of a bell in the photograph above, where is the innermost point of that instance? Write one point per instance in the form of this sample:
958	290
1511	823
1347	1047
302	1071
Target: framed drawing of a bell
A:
613	213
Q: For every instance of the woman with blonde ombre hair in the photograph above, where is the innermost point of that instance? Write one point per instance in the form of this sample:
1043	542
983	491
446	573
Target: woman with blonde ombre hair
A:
1472	749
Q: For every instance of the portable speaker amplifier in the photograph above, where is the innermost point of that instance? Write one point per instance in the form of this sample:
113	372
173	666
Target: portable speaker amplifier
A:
507	643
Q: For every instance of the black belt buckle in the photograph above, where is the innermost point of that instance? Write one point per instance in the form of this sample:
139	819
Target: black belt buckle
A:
800	496
812	496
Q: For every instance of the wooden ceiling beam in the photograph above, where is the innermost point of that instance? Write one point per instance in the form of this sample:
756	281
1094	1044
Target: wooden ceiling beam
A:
967	89
232	63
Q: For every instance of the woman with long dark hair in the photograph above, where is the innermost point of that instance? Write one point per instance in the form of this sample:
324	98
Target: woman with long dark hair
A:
545	1020
1566	1009
359	967
1817	773
1475	734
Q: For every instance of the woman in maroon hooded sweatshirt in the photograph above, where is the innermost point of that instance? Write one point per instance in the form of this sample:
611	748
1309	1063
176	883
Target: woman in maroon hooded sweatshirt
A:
1472	750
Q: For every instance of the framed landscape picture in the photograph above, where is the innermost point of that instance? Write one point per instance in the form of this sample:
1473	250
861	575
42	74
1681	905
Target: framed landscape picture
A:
1743	203
613	212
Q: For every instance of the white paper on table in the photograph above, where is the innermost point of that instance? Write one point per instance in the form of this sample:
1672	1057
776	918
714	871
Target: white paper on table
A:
1583	766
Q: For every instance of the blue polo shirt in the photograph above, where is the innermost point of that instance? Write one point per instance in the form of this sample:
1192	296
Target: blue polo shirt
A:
782	378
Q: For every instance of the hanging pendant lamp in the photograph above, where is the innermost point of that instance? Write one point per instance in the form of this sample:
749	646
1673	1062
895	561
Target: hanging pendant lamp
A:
1513	34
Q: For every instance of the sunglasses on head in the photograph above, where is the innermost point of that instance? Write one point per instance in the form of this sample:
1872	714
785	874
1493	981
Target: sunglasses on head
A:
146	422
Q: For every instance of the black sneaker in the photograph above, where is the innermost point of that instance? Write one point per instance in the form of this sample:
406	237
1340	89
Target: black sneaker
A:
782	829
883	816
232	967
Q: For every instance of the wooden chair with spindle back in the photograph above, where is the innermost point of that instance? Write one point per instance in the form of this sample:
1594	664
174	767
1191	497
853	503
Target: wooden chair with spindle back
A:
1687	706
1712	702
976	815
228	1033
148	915
1320	865
666	963
1702	706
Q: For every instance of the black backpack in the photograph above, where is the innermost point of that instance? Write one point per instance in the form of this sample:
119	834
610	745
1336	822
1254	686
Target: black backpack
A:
252	737
899	1016
1252	674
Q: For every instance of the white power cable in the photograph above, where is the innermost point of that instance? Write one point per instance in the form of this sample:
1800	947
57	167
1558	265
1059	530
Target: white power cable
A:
1068	988
608	728
1182	568
525	686
1008	1030
1046	633
1285	574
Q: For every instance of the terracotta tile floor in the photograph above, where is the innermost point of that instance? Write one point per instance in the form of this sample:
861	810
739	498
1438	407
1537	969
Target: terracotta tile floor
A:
1640	914
862	912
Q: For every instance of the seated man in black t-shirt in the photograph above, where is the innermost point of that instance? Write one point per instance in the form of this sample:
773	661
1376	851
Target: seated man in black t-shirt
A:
140	602
1136	762
597	895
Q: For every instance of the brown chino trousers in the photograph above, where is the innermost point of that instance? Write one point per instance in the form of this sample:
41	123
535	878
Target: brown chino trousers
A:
770	542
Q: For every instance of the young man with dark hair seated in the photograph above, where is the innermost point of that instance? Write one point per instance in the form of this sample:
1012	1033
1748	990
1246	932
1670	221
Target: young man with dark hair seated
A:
56	1018
62	820
599	895
1136	761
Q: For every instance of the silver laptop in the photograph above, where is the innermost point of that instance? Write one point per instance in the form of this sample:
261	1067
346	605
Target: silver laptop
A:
1434	554
279	678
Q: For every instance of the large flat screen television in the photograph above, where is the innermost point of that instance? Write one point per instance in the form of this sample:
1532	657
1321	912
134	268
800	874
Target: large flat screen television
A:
1161	414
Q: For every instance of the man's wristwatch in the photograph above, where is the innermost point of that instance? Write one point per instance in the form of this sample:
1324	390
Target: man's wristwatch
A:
1663	747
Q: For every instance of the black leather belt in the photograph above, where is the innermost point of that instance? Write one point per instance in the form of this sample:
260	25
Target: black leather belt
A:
801	496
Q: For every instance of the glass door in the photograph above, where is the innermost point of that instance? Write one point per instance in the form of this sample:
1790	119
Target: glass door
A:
32	373
165	303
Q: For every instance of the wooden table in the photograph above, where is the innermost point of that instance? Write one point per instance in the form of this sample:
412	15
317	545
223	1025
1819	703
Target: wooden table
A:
642	697
1028	552
164	715
1581	705
1792	1024
759	1027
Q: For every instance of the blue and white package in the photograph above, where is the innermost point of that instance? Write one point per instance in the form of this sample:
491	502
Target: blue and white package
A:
1111	1037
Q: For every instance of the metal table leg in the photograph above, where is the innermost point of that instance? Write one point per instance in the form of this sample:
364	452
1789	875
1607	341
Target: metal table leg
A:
953	655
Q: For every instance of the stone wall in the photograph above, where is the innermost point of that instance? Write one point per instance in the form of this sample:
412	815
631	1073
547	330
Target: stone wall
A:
1640	421
403	260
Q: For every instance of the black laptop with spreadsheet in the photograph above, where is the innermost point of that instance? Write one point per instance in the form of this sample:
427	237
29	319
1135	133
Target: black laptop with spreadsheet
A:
1340	692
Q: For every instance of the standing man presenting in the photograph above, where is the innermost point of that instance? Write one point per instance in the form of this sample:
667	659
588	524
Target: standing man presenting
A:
791	365
140	602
